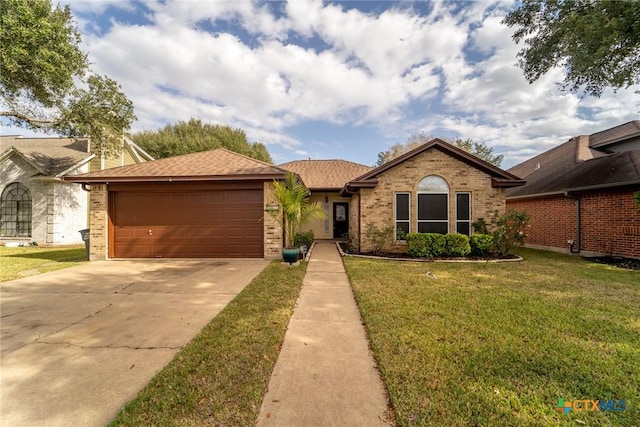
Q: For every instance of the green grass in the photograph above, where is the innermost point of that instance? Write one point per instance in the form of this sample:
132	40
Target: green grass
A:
498	344
220	377
37	260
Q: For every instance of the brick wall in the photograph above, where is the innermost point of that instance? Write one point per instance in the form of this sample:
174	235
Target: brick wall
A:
272	226
378	203
553	221
354	221
98	222
609	221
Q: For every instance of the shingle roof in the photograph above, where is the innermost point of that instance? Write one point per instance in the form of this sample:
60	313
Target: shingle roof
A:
326	174
50	156
560	169
624	131
499	177
219	164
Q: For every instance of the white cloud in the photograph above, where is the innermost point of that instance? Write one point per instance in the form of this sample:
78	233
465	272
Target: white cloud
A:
452	65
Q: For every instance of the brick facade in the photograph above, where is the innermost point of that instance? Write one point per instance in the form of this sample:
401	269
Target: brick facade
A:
553	221
99	222
609	222
377	204
273	238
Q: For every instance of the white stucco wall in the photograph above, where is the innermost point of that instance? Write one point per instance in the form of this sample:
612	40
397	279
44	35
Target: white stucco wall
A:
59	209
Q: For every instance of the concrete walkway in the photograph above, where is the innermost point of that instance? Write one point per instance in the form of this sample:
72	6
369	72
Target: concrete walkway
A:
325	374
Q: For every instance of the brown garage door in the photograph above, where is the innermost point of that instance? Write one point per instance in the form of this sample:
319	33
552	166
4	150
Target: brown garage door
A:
187	224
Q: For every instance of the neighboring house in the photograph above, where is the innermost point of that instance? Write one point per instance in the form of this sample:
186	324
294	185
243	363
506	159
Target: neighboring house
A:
36	205
580	194
216	203
325	179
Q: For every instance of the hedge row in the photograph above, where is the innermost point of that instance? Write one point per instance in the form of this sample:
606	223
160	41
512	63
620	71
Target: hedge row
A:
431	245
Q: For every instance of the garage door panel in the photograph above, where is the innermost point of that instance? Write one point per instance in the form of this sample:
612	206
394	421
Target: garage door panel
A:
194	224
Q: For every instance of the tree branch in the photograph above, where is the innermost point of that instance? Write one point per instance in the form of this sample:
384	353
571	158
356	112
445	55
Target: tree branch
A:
30	120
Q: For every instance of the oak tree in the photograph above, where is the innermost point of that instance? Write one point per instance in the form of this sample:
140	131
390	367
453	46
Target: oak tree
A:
192	136
46	83
597	43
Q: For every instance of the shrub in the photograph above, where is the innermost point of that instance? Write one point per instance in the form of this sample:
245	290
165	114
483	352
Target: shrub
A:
303	239
438	244
379	237
511	230
481	244
426	244
350	240
417	244
480	226
457	245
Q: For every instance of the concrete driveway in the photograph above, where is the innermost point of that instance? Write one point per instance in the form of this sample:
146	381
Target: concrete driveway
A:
77	344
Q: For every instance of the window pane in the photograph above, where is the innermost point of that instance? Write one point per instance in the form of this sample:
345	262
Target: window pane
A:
463	228
402	207
433	227
433	207
402	229
433	184
462	206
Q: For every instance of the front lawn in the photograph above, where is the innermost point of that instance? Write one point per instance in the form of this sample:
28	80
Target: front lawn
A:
220	377
30	260
499	344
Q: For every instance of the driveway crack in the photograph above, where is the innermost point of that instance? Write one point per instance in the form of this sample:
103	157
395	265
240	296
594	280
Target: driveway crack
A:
97	347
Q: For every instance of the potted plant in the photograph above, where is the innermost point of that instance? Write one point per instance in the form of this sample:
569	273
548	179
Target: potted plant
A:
293	197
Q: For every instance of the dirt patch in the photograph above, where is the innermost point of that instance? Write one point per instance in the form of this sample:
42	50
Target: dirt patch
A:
628	263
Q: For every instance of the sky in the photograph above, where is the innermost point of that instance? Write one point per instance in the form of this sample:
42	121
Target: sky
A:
345	80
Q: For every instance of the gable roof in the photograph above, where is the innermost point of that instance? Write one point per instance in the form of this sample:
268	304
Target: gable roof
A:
213	165
499	177
577	165
50	157
327	175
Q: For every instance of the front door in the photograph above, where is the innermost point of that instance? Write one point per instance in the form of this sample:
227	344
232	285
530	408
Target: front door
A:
340	220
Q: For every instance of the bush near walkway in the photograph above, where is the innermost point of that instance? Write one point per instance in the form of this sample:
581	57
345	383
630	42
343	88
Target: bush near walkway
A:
498	344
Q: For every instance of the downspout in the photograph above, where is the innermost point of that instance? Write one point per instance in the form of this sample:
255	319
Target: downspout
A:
85	188
571	243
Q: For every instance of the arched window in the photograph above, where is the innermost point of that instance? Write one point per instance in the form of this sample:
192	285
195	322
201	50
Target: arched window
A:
15	211
433	205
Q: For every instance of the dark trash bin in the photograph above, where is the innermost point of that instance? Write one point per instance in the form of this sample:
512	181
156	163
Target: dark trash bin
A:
86	239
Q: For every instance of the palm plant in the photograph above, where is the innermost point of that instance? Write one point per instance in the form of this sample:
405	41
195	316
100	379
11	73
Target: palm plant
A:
293	197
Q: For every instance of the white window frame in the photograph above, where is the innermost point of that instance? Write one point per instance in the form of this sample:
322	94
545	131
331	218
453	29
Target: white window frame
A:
446	193
395	214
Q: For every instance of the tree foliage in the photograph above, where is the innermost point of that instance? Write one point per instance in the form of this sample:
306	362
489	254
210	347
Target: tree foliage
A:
596	42
45	80
478	149
193	136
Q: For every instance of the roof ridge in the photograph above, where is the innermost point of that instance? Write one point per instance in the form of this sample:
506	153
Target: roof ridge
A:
247	157
326	160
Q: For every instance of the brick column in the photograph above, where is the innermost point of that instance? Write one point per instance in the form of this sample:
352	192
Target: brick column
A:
99	222
272	227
